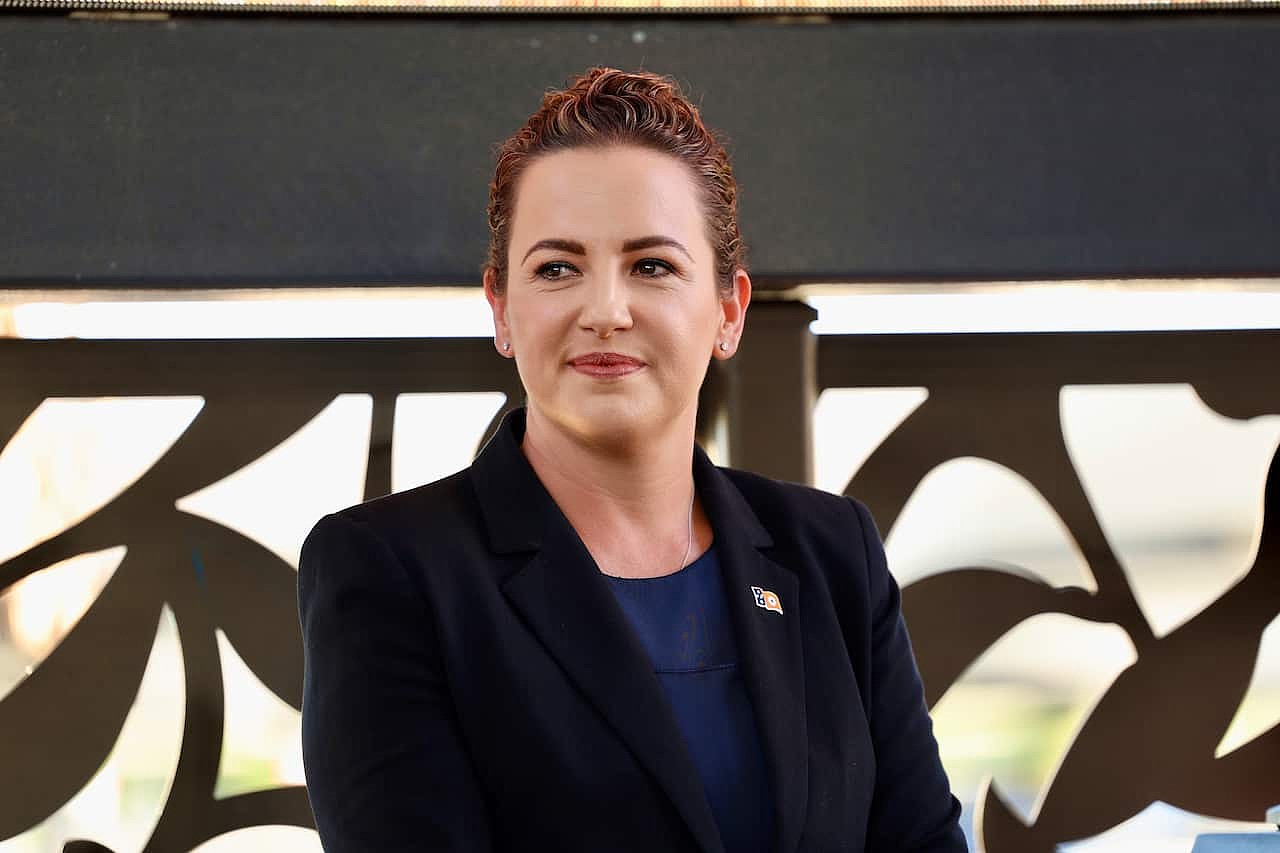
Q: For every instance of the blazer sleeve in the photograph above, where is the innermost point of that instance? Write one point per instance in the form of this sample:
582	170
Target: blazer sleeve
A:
913	808
385	763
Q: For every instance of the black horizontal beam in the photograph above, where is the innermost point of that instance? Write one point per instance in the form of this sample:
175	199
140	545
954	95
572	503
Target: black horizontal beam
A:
268	369
213	151
995	363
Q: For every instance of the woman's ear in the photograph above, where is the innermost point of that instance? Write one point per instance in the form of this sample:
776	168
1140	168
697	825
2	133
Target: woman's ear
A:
733	308
498	304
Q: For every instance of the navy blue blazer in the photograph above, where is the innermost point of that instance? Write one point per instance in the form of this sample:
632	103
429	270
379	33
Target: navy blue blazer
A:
472	684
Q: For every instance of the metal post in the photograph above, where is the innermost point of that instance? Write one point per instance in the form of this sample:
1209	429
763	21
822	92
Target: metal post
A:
771	391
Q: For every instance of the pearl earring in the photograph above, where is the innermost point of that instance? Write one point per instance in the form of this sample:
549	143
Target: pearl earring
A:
724	347
506	346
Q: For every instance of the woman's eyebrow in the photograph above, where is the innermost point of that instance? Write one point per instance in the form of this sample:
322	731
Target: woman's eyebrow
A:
575	248
655	240
569	246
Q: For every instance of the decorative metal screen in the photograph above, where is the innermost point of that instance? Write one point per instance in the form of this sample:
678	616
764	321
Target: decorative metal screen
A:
1090	573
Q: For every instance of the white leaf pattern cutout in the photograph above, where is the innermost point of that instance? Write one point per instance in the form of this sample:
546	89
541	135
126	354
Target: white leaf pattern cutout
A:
850	423
1176	487
72	456
1259	710
1036	687
258	728
264	839
975	512
276	498
436	434
121	804
43	607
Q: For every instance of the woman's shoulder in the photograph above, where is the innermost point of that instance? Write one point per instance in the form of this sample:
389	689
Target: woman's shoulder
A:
796	503
825	537
432	509
835	535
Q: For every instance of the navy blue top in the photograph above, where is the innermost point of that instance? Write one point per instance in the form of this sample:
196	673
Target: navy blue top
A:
683	622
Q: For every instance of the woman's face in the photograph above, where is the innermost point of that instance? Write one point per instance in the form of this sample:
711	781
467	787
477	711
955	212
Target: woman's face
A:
611	306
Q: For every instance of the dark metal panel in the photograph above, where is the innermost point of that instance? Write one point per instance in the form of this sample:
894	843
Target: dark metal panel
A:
272	368
268	150
991	396
998	362
997	397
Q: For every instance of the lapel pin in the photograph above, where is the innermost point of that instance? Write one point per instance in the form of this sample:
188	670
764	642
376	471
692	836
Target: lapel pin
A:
766	599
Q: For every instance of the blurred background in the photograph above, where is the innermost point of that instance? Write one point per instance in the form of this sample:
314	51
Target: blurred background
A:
1017	289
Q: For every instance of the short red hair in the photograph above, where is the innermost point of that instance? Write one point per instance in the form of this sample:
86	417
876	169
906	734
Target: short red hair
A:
603	107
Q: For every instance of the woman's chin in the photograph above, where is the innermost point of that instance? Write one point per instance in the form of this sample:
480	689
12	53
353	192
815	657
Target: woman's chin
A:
613	420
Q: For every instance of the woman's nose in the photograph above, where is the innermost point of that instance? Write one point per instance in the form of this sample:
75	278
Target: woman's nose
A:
606	310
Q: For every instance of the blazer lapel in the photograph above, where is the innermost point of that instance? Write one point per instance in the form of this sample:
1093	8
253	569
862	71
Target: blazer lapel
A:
566	602
770	652
568	605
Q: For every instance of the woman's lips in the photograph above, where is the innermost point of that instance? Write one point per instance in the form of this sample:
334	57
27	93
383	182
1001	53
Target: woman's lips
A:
605	365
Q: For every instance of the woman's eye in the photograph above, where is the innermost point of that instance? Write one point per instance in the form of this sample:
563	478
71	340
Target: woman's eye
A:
652	268
553	270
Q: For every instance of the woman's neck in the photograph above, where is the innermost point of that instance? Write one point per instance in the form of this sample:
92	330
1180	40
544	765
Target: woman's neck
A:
629	503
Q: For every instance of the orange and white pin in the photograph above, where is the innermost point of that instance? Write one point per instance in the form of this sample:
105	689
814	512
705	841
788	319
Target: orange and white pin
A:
766	599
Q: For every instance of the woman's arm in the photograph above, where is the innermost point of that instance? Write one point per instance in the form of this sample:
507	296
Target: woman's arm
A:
385	764
913	808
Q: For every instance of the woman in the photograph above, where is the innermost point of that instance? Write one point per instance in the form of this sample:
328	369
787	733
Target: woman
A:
593	639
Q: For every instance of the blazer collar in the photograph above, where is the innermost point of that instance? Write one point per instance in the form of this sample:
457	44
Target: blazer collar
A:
566	602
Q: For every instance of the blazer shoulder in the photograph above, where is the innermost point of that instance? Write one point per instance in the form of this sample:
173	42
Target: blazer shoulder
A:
439	507
781	504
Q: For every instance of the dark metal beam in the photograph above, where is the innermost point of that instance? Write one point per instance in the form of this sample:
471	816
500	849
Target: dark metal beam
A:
996	362
270	368
258	150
